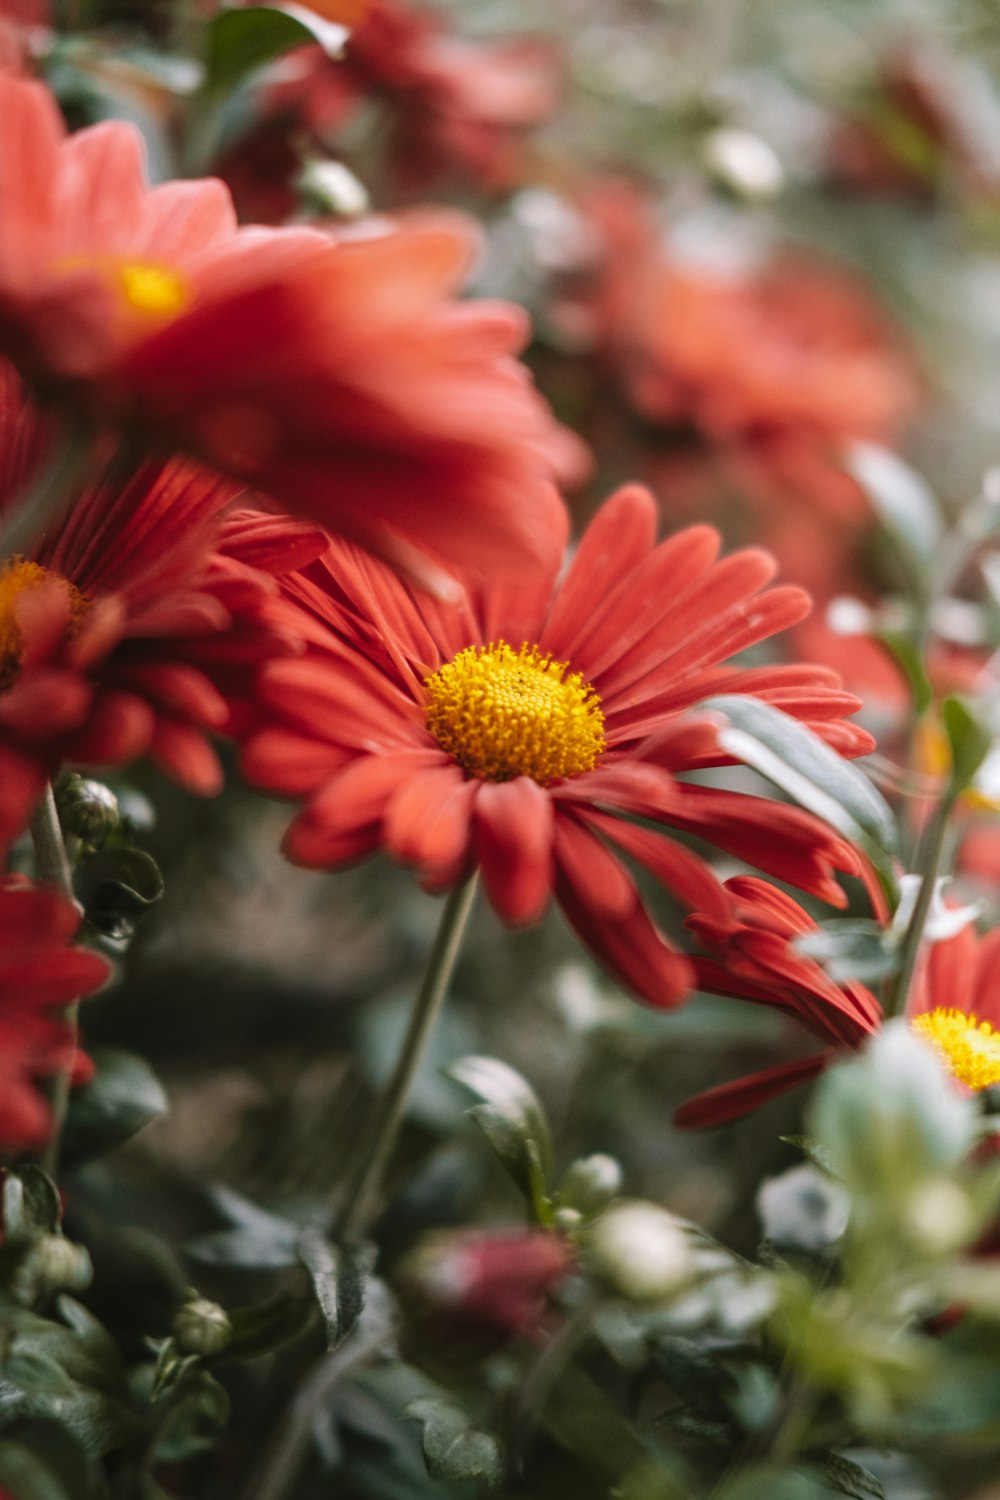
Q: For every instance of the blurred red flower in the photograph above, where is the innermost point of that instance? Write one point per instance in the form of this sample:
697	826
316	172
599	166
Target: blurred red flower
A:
459	107
138	623
512	729
40	973
339	377
491	1279
954	1000
771	359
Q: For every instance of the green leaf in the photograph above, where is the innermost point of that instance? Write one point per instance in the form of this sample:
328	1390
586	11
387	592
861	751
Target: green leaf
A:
40	1460
513	1121
768	1482
847	1477
259	1241
969	741
455	1450
240	41
36	1374
797	761
900	498
123	1096
812	1151
909	659
339	1275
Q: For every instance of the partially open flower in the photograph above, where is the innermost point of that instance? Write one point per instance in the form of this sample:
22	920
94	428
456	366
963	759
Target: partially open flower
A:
493	1279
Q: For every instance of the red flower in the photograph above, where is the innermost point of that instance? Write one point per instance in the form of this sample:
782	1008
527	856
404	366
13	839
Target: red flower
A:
512	728
39	974
954	1002
458	107
340	377
496	1279
138	624
754	958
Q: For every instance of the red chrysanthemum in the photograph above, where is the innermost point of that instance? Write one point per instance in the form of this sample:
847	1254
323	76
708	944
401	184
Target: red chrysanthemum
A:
954	1002
512	728
138	624
40	974
340	377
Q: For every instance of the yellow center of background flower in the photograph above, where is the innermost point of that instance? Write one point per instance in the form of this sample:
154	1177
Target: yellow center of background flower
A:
970	1048
18	577
152	289
502	713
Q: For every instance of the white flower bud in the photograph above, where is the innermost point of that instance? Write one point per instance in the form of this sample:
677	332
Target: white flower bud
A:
743	163
939	1217
642	1251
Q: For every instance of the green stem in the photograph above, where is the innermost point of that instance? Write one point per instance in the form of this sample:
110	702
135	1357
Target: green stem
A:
53	868
372	1160
933	846
27	520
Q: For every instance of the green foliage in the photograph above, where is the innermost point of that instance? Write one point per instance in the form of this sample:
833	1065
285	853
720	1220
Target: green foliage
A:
123	1096
513	1122
454	1449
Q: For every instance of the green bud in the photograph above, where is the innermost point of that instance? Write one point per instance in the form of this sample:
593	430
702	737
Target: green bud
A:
88	809
202	1327
52	1264
590	1184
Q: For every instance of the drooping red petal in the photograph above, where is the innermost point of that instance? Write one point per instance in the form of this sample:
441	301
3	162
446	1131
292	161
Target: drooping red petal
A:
513	844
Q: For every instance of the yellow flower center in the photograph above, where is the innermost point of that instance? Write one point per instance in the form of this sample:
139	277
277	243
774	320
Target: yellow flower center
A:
143	286
18	577
970	1048
502	713
152	289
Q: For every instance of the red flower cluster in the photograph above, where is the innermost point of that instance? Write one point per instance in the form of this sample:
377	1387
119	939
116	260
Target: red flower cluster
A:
138	624
494	1280
39	975
773	360
513	727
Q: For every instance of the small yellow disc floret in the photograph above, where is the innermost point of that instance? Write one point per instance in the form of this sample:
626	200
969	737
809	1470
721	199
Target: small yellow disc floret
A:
502	713
970	1048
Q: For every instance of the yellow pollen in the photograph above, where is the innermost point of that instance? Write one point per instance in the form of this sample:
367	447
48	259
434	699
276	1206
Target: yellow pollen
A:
151	288
18	577
502	713
970	1048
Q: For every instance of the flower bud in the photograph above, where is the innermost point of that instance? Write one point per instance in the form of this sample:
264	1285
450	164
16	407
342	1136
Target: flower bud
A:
52	1264
642	1251
590	1184
88	809
495	1278
742	163
202	1327
939	1217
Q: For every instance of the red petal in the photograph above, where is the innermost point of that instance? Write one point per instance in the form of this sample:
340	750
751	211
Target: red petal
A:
513	842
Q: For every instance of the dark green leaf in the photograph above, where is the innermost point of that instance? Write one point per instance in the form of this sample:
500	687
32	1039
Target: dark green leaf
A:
453	1448
512	1120
339	1276
812	1151
847	1478
123	1096
240	41
795	759
259	1241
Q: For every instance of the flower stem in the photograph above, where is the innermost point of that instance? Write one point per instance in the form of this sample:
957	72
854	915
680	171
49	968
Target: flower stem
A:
372	1160
53	868
910	947
27	519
